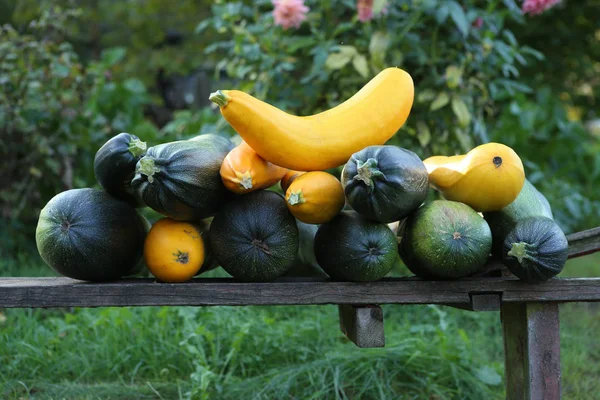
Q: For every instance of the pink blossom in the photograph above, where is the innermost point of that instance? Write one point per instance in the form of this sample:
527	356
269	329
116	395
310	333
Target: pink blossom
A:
534	7
478	23
365	10
288	13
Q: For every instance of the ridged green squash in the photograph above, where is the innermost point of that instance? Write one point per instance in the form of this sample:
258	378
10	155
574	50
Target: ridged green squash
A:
181	179
351	247
385	183
529	203
89	235
254	237
536	249
114	166
444	240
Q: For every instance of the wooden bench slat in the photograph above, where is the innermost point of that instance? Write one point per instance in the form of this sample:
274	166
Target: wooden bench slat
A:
584	242
65	292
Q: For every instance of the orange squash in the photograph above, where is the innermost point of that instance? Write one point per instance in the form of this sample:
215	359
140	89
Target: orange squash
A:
174	250
315	197
288	178
244	171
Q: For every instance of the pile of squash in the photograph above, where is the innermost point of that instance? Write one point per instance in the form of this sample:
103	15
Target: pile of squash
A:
260	208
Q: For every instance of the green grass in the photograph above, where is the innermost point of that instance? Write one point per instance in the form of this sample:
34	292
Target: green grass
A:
271	352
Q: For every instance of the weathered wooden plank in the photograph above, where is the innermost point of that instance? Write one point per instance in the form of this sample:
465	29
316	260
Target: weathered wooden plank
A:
481	302
362	324
531	351
64	292
583	243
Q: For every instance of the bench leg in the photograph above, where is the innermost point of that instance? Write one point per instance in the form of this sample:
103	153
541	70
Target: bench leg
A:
531	350
362	324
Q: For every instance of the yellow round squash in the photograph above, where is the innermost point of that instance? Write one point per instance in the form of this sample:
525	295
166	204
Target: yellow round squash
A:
487	178
315	197
288	178
328	139
174	250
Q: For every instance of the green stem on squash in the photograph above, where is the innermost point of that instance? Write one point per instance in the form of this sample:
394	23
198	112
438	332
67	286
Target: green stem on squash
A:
137	148
146	166
520	251
220	98
367	171
296	198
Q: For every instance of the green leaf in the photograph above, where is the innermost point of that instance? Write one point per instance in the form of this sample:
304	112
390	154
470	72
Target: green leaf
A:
360	65
461	111
440	101
423	133
113	55
459	17
134	85
378	6
488	375
453	76
378	46
425	96
339	60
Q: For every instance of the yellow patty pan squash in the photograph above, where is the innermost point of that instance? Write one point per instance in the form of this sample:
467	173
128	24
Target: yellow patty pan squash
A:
487	178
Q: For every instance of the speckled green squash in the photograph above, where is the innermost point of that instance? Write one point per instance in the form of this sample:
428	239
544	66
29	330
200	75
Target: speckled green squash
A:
535	250
351	247
89	235
445	240
181	179
254	237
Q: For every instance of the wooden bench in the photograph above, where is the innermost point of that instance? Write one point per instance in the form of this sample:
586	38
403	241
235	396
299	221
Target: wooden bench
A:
529	313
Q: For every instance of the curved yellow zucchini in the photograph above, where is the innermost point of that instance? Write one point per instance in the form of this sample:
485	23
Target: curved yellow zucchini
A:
328	139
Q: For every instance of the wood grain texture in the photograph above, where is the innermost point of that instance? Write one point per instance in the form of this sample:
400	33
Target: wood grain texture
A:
531	351
583	243
362	324
65	292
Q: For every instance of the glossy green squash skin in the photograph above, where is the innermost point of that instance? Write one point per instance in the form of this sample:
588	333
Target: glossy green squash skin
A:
444	240
535	250
89	235
255	237
306	262
529	203
385	183
114	166
351	247
181	179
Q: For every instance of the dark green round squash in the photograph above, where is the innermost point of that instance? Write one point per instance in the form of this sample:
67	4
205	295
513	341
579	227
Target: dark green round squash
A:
385	183
89	235
535	250
444	240
114	166
215	139
351	247
254	237
181	179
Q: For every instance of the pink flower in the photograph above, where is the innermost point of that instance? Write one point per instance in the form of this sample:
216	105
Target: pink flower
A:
288	13
535	7
365	10
478	23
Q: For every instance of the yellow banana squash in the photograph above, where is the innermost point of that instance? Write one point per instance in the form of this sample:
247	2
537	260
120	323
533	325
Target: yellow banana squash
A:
328	139
487	178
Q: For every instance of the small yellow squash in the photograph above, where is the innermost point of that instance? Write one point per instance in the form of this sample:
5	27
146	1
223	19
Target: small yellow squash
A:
315	197
174	250
487	178
244	171
328	139
288	178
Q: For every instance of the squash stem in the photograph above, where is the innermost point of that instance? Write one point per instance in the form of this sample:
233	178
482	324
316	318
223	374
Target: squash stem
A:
367	171
296	198
137	148
146	166
220	97
519	250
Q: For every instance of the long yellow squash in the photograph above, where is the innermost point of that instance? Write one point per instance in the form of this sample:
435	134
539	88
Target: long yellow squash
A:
328	139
